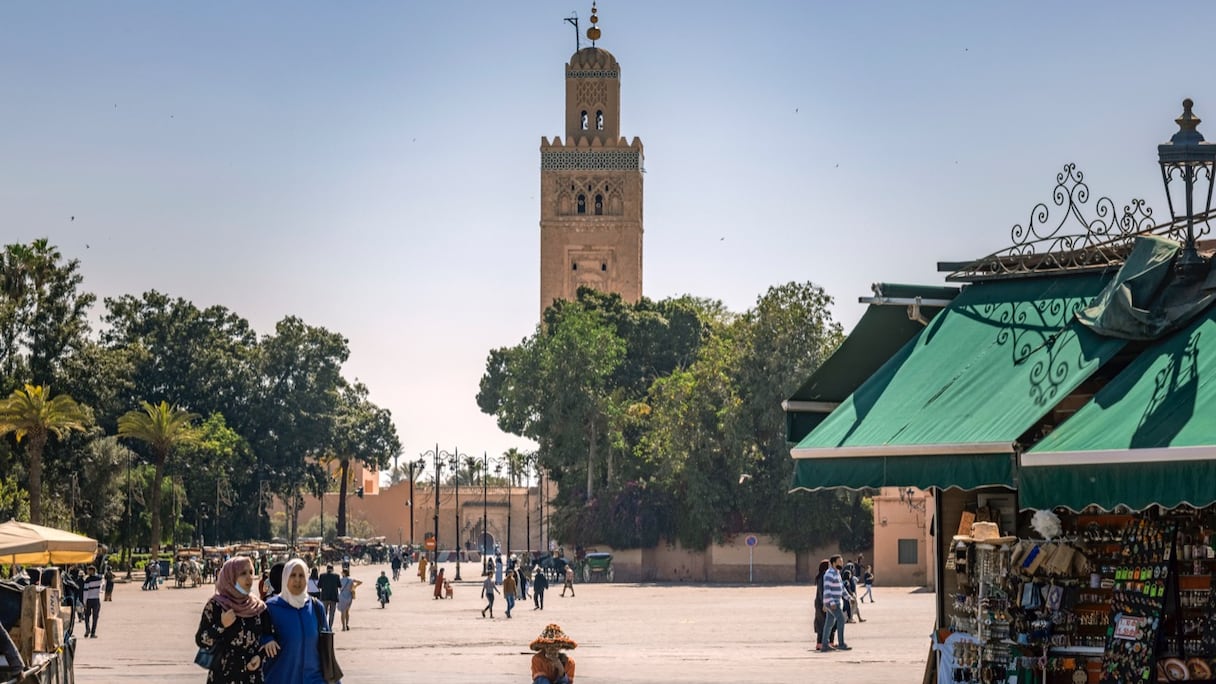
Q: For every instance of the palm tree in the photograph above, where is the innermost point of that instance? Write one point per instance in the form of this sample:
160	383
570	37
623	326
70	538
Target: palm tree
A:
162	428
32	413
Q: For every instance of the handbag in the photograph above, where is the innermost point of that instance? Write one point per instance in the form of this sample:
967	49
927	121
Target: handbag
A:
203	658
330	670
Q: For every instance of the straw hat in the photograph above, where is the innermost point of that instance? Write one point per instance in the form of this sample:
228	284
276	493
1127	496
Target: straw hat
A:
985	533
552	636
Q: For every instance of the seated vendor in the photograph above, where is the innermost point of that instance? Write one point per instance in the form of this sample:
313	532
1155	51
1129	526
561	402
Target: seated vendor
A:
550	665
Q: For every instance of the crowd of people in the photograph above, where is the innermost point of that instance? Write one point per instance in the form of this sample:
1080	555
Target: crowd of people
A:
837	600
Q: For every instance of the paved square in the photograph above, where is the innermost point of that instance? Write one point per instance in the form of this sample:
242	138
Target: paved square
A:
626	632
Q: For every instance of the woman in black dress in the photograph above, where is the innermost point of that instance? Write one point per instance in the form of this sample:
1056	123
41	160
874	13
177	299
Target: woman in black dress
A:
234	625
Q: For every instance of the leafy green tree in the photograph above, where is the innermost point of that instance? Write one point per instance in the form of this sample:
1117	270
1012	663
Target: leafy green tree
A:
294	412
364	433
204	359
43	315
163	428
214	462
14	501
32	414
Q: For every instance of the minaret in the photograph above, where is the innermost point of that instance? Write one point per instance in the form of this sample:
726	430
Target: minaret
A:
591	187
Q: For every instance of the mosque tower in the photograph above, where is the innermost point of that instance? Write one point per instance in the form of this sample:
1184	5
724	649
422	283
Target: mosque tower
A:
591	187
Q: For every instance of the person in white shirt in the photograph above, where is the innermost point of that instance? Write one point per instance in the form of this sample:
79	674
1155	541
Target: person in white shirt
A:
92	601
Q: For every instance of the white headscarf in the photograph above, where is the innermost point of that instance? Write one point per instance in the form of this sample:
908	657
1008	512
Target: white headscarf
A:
301	599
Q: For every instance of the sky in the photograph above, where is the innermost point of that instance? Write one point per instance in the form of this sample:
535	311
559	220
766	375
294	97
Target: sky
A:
374	167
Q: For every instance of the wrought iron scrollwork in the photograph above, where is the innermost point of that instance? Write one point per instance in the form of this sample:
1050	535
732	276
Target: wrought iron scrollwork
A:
1046	244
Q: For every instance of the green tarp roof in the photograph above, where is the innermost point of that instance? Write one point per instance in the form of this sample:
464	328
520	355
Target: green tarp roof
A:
882	330
1147	437
962	392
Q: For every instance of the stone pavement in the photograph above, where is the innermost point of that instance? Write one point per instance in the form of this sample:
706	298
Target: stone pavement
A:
627	633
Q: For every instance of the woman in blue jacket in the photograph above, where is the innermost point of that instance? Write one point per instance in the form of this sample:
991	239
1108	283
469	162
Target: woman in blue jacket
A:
297	621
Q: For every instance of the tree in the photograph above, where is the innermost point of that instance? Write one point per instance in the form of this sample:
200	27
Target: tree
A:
32	413
365	433
294	411
43	317
163	428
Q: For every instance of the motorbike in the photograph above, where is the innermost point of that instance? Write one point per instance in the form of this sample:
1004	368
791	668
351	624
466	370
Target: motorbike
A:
382	594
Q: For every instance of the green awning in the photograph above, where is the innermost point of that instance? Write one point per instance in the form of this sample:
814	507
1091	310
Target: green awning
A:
948	408
883	329
1147	437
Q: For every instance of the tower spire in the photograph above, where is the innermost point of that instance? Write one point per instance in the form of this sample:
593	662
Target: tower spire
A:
593	33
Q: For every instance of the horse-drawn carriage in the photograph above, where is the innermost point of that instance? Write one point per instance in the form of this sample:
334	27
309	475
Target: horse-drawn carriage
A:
186	567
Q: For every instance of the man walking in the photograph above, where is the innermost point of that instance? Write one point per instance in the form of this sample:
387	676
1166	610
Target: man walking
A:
92	601
569	581
833	595
539	584
508	590
329	583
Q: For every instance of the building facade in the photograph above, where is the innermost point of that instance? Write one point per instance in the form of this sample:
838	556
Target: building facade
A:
591	189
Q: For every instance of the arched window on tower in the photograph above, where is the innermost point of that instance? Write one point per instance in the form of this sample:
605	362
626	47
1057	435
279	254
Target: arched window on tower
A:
599	120
584	120
582	204
599	205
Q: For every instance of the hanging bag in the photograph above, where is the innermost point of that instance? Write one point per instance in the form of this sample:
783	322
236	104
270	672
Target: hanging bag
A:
203	658
330	670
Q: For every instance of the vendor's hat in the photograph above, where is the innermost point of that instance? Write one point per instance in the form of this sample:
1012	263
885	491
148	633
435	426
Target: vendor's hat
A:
985	533
552	636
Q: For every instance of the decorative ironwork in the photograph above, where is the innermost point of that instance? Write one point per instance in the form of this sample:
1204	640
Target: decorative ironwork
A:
1031	329
1046	243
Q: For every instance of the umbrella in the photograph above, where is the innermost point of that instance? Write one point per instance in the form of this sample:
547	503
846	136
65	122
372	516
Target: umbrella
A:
30	544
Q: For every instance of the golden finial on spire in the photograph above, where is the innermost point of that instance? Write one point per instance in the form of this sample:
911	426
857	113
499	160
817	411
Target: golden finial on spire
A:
593	33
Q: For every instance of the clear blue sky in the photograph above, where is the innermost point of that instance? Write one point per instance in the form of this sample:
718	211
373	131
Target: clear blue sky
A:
373	167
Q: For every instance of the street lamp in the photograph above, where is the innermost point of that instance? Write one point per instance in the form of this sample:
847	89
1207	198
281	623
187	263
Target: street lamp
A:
510	484
438	456
485	470
454	459
414	465
1188	158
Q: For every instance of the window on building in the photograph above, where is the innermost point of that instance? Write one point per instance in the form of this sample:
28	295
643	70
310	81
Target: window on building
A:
574	266
908	552
603	267
599	205
584	120
599	121
582	204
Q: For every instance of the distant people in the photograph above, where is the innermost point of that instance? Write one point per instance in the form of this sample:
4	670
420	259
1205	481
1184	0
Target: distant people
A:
852	608
488	589
819	613
549	664
92	601
539	585
569	583
422	563
314	590
329	583
509	587
439	584
109	586
395	563
233	626
384	592
346	596
868	579
264	585
833	597
497	569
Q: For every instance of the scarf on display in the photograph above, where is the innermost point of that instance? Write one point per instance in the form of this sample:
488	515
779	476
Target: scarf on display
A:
301	599
227	595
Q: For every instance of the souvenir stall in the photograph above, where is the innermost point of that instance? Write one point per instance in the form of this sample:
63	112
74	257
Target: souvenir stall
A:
1089	597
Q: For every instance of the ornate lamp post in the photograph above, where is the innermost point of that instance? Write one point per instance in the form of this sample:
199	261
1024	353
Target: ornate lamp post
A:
454	460
414	466
528	506
485	470
436	454
1188	158
510	484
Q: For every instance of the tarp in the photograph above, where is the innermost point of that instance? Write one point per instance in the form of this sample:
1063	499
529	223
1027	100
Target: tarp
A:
1147	437
1147	298
30	544
947	409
